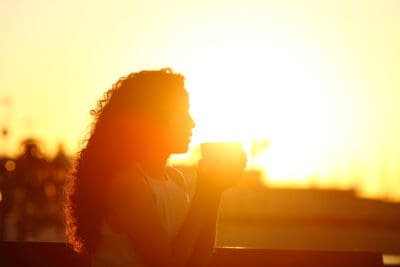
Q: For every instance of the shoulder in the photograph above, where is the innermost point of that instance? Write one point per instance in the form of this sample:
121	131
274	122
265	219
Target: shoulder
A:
129	176
127	185
128	197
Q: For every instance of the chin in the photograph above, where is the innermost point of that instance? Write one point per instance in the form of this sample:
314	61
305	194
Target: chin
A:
181	149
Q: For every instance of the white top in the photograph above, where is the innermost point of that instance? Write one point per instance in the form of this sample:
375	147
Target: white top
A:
173	202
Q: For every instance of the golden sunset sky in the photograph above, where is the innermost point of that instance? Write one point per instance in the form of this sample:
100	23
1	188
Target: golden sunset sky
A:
319	79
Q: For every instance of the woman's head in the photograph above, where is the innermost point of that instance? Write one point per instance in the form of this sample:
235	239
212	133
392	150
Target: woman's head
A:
141	109
143	113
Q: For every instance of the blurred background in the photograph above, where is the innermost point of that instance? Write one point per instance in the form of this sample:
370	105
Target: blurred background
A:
311	89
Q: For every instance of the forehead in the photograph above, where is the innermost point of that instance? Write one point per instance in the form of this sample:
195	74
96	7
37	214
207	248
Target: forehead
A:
179	103
183	99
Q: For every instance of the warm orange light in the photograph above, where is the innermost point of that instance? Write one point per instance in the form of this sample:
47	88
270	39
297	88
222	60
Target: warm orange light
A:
269	92
286	90
319	80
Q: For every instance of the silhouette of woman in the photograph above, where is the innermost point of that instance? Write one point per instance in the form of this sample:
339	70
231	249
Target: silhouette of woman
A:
125	205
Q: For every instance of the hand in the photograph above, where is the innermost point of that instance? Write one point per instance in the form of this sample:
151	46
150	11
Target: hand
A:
221	174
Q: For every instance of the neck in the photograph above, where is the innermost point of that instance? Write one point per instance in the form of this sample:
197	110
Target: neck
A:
154	165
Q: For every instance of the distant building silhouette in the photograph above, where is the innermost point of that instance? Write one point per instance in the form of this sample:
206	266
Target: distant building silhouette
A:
32	192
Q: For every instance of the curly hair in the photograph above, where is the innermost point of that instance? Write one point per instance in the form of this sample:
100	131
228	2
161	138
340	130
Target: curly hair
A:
118	135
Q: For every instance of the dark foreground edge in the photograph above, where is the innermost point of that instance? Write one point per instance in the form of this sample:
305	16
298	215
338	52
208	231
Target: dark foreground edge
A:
49	254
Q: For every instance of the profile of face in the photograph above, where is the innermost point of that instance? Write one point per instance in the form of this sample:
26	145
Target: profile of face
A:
149	113
177	130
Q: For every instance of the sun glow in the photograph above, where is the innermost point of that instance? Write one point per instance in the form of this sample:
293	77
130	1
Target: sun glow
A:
317	79
280	90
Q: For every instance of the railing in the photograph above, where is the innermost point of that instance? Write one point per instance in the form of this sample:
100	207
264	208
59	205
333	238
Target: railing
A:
235	257
47	254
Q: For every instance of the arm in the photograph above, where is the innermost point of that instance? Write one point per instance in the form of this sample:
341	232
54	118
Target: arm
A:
221	178
132	205
206	240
